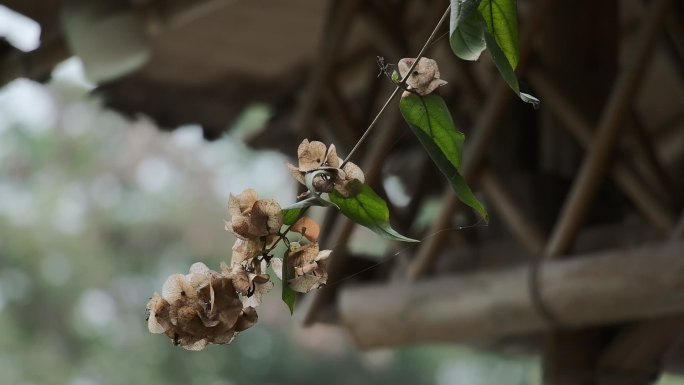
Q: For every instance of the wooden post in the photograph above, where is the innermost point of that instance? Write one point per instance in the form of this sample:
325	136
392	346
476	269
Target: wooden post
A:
587	290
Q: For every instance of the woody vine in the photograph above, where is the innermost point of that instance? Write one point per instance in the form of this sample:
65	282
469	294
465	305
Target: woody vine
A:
207	306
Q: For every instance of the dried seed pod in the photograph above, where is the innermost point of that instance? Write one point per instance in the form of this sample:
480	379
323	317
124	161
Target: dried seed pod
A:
424	78
266	216
311	155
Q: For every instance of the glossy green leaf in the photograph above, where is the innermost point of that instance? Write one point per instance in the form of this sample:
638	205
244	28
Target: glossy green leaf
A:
501	18
476	25
290	215
288	295
431	122
368	209
466	29
432	115
506	70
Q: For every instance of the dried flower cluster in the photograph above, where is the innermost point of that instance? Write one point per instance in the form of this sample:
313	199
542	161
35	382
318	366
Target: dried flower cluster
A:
309	267
423	79
207	306
315	156
199	308
251	217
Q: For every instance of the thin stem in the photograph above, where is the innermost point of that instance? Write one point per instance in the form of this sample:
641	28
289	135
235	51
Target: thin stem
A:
400	86
284	233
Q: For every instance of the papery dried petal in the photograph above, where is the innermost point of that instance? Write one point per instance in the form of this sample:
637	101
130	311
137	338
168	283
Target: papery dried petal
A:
196	346
240	225
177	287
331	158
431	86
227	304
266	217
247	199
307	226
323	255
425	77
200	275
244	250
260	290
199	268
158	314
247	319
261	278
241	280
305	255
311	155
351	182
352	171
306	283
294	171
306	269
225	270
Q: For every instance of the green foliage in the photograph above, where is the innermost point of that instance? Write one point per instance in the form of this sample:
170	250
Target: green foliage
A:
506	71
370	210
501	17
288	295
466	33
430	120
290	215
477	25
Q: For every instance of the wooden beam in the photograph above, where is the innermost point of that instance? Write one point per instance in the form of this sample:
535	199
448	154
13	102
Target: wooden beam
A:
590	289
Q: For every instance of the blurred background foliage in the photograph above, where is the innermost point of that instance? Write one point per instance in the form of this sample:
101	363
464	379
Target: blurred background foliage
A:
96	210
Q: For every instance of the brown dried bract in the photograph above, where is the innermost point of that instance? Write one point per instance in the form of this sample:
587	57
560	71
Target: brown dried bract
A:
251	282
251	217
198	309
309	264
423	79
307	227
314	156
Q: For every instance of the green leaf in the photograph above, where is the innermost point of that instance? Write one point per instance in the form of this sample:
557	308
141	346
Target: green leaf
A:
466	29
368	209
290	215
288	295
431	122
476	25
432	115
501	17
506	70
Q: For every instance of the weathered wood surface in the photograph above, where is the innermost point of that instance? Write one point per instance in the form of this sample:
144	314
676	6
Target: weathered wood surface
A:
591	289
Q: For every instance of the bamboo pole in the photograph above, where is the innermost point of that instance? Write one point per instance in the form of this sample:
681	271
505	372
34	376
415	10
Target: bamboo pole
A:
641	195
590	289
525	230
594	166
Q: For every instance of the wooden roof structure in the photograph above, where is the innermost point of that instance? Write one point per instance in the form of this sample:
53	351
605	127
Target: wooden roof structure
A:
583	261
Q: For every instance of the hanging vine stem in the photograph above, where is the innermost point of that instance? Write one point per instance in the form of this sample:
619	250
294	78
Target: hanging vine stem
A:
283	234
401	85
